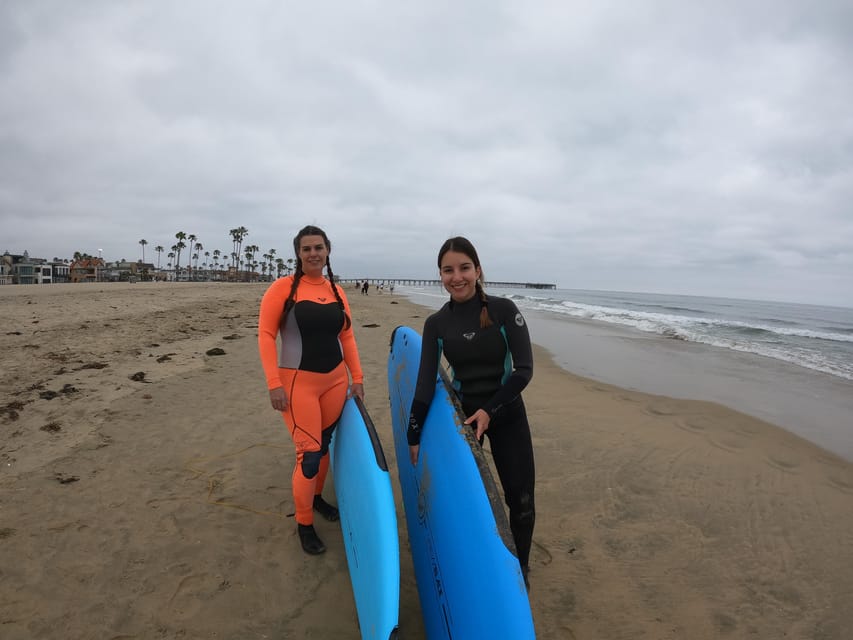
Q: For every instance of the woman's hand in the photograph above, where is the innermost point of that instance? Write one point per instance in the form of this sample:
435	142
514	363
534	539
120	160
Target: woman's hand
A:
481	421
357	390
413	453
278	399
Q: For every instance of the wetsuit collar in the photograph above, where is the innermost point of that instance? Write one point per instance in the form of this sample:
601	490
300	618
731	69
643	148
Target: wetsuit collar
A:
311	280
473	300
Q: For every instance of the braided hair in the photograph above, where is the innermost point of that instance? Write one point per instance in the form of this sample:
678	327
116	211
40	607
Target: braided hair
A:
462	245
311	230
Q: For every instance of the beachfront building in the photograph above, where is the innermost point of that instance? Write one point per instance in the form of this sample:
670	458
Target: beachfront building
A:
22	269
5	270
19	269
86	269
43	272
125	271
50	271
233	274
61	270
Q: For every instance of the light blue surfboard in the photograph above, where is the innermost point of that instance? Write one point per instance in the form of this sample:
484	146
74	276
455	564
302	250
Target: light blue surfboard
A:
469	580
368	521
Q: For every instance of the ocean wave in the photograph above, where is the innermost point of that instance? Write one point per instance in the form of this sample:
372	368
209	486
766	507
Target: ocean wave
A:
660	322
786	343
809	359
821	344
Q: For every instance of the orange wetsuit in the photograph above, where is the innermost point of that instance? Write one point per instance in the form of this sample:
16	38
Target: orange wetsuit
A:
316	347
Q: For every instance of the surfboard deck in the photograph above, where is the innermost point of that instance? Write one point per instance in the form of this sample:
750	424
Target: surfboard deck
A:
368	521
469	581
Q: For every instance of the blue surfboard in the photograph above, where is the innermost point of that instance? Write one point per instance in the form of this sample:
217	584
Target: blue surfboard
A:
469	580
368	521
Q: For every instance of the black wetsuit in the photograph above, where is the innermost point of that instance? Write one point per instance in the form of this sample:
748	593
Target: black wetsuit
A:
490	367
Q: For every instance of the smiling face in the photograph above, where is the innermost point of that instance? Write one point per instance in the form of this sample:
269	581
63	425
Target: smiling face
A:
314	255
459	275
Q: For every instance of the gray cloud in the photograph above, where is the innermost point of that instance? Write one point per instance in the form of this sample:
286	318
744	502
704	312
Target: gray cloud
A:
660	146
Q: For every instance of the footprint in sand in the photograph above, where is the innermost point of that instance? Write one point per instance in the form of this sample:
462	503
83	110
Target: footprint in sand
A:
693	426
728	444
169	525
786	466
193	586
744	428
542	554
660	410
841	485
597	388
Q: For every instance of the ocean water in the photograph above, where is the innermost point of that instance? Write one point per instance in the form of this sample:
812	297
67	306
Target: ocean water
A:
788	364
814	337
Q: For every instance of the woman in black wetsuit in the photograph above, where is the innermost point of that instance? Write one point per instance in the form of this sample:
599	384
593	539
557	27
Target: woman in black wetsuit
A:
486	343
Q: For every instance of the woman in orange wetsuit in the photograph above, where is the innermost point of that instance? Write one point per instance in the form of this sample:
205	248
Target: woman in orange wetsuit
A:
308	373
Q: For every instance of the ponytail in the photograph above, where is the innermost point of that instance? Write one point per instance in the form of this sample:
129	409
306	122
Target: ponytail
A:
485	319
347	321
291	297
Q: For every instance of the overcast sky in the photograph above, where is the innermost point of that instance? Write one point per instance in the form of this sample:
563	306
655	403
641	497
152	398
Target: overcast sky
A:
702	148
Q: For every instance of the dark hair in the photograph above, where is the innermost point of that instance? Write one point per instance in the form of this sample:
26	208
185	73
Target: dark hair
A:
311	230
458	244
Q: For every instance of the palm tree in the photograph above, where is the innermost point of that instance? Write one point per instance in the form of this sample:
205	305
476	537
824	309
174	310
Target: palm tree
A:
143	242
238	235
270	255
249	257
159	249
198	249
216	254
181	236
279	267
251	250
192	238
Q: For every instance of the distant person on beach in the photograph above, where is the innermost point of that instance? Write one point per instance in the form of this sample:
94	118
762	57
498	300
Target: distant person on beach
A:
487	345
364	288
308	376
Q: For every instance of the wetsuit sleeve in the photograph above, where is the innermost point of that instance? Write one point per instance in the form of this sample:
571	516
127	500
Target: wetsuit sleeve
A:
350	348
518	339
425	387
269	321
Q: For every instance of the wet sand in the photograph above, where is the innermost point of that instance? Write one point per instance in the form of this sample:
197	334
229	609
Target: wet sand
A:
811	404
145	489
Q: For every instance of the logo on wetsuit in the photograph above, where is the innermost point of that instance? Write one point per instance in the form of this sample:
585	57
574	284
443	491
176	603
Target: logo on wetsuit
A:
519	320
469	336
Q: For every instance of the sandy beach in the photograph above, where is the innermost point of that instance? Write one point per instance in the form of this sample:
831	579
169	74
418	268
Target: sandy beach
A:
145	489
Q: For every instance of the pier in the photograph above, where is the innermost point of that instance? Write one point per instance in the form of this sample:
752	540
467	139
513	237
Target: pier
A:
421	282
